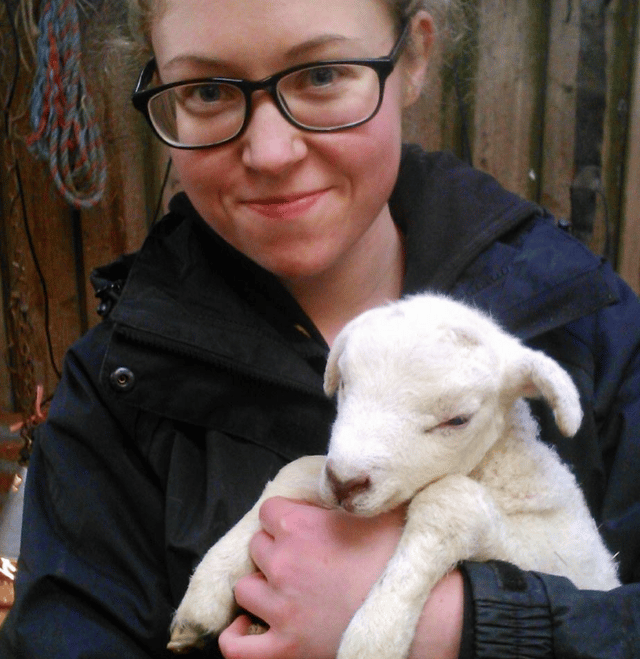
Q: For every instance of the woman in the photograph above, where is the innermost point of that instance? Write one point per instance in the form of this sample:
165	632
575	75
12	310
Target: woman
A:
205	377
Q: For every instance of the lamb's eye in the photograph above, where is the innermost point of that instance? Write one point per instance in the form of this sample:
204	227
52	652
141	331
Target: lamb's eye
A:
455	422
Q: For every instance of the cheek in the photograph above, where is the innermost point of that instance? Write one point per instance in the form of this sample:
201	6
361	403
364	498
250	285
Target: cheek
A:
202	173
368	156
378	152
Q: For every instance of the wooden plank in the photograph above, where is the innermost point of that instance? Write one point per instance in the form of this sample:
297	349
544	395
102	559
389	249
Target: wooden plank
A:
6	392
49	269
621	19
117	225
512	44
6	398
560	108
34	213
629	255
25	308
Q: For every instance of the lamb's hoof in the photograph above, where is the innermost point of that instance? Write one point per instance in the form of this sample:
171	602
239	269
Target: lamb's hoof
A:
186	638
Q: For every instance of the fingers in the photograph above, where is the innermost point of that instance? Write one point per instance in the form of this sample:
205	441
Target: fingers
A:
271	515
316	568
238	642
279	515
256	595
261	549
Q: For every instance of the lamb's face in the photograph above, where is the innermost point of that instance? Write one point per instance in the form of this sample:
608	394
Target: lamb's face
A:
418	398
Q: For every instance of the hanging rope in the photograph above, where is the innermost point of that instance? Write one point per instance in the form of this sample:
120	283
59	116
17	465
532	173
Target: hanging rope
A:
66	133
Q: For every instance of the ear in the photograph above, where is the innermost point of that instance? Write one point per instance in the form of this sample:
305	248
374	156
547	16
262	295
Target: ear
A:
416	58
531	373
332	374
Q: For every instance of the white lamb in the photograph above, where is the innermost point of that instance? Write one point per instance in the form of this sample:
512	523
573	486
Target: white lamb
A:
430	411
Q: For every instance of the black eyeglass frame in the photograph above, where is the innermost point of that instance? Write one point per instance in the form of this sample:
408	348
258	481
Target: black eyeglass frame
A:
383	66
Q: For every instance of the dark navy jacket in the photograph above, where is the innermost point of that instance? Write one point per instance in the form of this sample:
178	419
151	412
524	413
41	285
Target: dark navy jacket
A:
205	377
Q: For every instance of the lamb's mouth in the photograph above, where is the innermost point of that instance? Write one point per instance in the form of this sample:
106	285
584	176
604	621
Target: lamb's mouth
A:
393	500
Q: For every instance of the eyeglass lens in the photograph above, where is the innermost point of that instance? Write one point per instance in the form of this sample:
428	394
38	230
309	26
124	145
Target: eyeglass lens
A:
317	97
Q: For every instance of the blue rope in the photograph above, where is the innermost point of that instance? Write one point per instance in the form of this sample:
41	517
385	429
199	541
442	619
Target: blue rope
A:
65	131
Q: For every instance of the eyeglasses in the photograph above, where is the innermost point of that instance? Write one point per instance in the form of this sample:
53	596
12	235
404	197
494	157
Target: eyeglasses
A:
321	97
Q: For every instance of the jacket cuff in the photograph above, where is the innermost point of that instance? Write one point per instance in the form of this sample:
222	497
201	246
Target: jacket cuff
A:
508	612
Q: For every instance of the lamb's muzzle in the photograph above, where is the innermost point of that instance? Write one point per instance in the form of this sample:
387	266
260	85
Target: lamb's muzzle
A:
344	491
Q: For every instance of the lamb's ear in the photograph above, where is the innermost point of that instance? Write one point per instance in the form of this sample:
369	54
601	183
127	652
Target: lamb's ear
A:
332	371
531	373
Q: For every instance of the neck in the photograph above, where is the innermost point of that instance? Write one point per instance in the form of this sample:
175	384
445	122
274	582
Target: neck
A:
372	275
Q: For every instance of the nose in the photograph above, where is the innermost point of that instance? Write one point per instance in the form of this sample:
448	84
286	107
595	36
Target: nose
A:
346	490
270	143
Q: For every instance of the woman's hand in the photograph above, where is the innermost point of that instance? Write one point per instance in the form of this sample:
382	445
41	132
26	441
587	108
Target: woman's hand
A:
316	568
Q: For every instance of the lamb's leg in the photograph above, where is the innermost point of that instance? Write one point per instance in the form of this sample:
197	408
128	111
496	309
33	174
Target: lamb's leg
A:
208	605
450	521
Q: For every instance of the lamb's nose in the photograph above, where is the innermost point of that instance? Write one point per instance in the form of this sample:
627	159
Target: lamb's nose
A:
345	490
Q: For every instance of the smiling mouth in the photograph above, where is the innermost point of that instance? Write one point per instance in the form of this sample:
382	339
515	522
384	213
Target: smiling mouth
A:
284	207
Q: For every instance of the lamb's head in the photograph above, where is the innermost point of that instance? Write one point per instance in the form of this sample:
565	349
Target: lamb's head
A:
424	387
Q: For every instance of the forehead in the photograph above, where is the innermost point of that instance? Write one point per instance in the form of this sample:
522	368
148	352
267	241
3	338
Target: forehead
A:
262	30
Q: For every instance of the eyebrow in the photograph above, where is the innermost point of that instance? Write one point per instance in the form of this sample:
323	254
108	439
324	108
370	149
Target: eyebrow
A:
296	52
315	43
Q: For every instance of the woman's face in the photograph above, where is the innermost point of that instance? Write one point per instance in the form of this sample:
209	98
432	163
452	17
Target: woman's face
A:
298	203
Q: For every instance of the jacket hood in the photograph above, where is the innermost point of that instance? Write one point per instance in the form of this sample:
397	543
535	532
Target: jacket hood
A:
465	210
469	237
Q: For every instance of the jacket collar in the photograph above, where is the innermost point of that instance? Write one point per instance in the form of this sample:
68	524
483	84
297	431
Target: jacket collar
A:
190	294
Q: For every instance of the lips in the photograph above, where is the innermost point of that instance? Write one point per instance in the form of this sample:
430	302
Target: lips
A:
285	207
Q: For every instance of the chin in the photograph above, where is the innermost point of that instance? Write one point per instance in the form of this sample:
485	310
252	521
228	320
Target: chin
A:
299	269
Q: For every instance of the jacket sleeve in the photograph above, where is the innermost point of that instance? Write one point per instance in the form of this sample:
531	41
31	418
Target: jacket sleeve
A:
526	614
91	579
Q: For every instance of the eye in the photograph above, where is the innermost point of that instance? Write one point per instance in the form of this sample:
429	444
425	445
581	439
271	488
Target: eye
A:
455	422
208	93
321	80
209	98
200	93
322	76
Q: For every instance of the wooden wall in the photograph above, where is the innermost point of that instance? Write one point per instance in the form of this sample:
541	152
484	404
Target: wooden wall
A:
513	104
